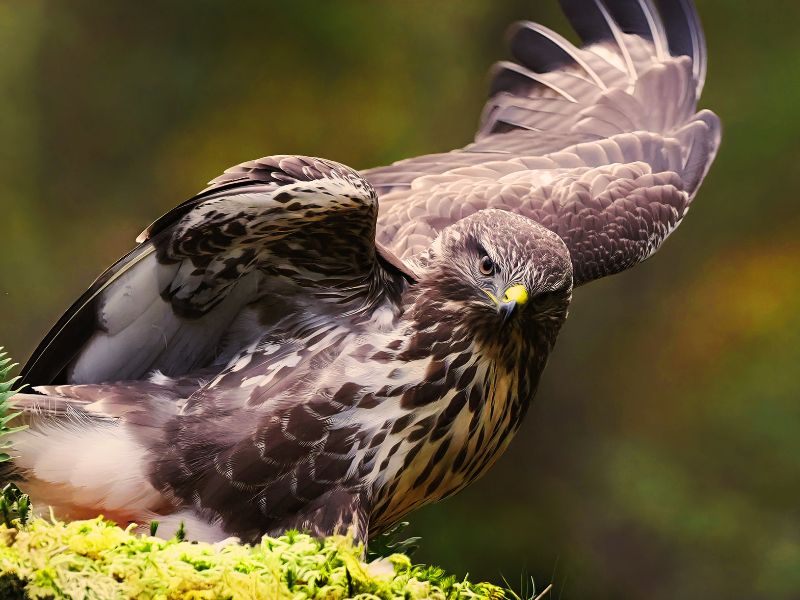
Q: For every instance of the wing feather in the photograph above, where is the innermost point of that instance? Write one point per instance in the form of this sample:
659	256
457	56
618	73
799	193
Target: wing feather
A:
641	18
595	25
542	50
263	228
685	36
623	104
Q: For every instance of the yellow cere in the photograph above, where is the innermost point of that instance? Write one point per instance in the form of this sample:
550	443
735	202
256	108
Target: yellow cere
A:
516	293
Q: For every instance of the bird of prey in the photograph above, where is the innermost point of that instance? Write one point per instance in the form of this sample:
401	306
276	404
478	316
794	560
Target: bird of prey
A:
302	345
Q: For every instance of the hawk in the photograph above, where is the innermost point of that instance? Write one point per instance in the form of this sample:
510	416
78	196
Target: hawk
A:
304	346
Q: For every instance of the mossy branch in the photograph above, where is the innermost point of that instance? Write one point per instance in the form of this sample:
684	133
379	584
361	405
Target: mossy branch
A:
96	559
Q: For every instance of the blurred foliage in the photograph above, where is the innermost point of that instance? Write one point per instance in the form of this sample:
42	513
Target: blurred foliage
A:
660	459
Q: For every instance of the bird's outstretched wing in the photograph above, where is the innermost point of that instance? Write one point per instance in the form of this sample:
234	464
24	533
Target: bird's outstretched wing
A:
294	232
602	144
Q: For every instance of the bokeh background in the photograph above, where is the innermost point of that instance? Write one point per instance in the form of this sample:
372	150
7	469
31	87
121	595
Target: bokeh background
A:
662	456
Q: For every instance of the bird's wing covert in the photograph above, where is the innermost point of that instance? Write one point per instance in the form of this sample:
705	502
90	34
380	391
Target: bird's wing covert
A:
289	226
601	143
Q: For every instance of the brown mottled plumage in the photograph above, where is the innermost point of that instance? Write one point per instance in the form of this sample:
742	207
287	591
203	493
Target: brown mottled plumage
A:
332	423
278	353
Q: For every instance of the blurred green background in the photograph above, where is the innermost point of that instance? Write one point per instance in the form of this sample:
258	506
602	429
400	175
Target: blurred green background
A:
661	458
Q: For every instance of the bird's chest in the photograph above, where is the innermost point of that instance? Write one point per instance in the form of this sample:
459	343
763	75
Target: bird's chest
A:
427	468
481	437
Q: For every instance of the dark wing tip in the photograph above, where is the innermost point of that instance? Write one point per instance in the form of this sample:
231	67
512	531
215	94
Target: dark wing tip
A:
674	27
53	355
538	48
589	20
685	35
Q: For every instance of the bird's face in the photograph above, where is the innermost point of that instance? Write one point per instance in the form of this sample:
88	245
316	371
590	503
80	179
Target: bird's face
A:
504	276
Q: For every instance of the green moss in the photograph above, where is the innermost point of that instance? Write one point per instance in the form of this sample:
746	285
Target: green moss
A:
98	559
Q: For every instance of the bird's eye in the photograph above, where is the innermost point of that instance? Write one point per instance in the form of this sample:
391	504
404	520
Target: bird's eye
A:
486	265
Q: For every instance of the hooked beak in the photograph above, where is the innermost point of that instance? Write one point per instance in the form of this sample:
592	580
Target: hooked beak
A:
515	296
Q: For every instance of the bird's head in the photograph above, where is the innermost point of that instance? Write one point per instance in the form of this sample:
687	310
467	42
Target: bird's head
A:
504	277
